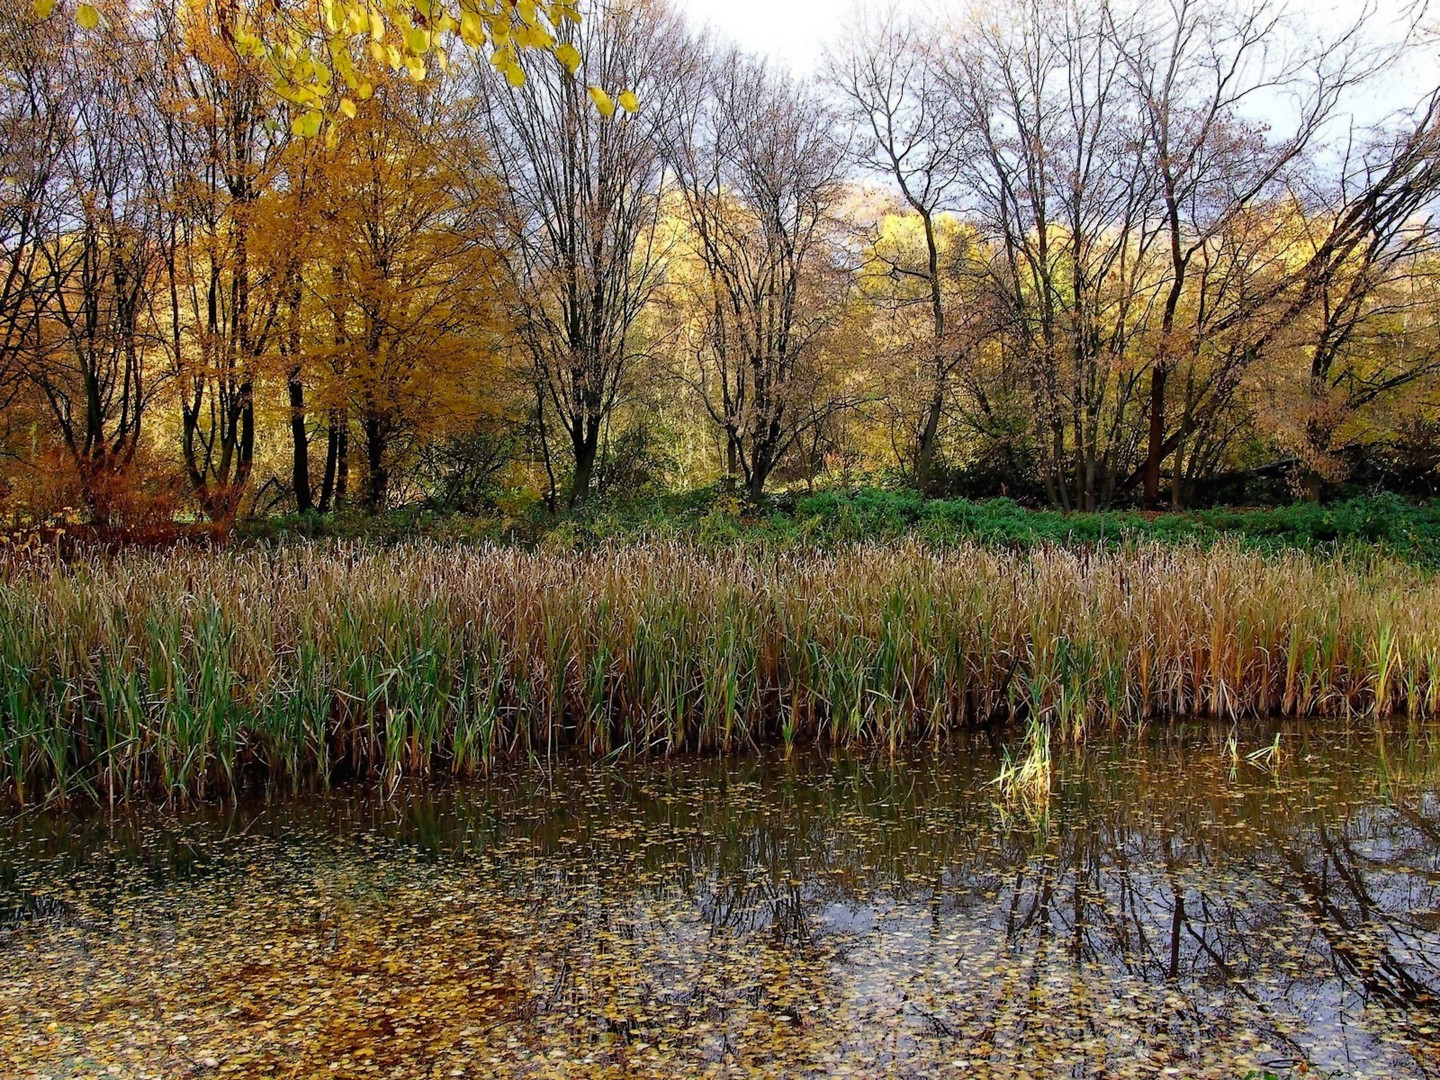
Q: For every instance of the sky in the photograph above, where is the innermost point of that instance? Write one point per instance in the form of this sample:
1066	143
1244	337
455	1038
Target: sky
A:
793	33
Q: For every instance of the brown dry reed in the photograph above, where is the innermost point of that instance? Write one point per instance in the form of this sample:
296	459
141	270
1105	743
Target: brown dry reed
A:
191	674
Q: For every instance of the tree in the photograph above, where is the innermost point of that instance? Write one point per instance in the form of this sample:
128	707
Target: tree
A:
405	270
36	98
897	105
96	263
583	194
1193	66
761	174
225	142
1054	170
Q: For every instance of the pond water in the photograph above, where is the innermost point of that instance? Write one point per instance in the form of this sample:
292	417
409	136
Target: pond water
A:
1175	910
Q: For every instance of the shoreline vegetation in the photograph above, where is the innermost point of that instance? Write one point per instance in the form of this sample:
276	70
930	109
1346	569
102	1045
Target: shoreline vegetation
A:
198	674
715	518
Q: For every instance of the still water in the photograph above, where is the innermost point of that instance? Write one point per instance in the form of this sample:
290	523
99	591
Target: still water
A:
1175	910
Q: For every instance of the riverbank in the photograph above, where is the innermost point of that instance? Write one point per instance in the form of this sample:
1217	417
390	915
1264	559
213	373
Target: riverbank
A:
192	674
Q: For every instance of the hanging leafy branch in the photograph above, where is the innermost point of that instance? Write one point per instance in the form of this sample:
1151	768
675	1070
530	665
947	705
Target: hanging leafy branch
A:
322	55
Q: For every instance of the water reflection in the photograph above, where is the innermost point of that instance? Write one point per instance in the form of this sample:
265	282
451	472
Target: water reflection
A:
1171	909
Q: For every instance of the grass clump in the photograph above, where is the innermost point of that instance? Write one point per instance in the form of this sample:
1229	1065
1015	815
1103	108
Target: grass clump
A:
191	673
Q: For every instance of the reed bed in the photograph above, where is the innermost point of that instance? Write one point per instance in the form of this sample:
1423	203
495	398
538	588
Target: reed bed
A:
192	674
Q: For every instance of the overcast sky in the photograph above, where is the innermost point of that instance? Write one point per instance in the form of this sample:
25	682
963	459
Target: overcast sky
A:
794	33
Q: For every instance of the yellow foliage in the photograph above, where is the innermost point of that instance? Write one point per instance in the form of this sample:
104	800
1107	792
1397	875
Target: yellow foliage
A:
357	34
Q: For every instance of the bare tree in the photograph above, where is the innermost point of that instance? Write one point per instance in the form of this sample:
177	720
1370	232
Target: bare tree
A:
1194	66
36	98
102	250
896	102
1143	221
1363	239
584	193
762	175
1054	168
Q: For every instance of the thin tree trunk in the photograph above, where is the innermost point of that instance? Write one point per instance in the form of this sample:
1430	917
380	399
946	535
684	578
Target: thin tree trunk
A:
300	444
1155	450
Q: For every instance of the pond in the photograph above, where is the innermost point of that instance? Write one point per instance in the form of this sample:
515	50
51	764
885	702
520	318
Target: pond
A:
1174	910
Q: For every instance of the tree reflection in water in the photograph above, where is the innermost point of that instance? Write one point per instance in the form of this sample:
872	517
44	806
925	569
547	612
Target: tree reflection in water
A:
822	915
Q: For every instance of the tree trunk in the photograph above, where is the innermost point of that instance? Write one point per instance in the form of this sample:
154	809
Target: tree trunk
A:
925	458
755	486
585	446
377	475
337	462
1155	450
300	444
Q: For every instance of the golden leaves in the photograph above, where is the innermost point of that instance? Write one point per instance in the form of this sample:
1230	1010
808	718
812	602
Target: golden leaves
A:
569	57
603	104
394	34
307	124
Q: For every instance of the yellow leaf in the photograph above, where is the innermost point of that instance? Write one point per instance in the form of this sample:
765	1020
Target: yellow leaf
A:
364	90
470	29
417	40
569	56
307	125
348	108
377	26
602	101
43	8
628	101
87	16
514	75
416	67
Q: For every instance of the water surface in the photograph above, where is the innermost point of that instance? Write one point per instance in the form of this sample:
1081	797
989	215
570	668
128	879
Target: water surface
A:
1173	911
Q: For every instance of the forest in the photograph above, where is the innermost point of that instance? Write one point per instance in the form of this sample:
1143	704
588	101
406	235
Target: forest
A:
1085	255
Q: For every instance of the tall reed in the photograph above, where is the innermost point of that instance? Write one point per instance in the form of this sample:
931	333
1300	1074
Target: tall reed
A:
189	674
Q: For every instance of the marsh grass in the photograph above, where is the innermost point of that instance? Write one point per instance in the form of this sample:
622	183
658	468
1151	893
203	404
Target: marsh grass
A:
192	674
1027	777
